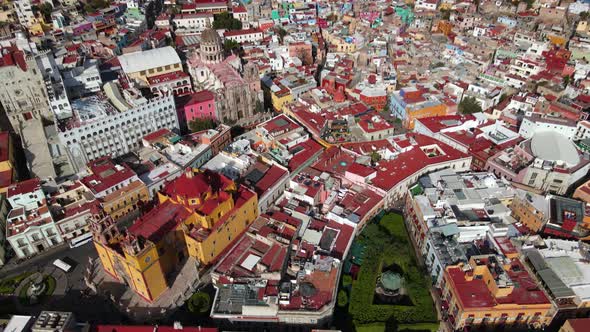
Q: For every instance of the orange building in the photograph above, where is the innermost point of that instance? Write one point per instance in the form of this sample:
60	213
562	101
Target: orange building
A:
530	209
445	27
493	291
583	192
409	104
301	50
7	165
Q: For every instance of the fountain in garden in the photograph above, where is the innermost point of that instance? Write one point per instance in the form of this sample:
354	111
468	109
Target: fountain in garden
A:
36	289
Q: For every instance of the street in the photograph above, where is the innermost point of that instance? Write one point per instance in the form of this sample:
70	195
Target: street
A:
74	298
79	254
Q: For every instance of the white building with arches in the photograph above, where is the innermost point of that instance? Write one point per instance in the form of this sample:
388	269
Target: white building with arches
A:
113	125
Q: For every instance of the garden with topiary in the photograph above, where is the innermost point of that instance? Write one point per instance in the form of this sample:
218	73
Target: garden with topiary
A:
387	244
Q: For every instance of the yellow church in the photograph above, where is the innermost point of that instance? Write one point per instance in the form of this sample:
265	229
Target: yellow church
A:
199	215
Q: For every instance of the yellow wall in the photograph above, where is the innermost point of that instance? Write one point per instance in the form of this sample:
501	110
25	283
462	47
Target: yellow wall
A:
146	271
144	74
436	110
219	239
105	258
278	102
143	272
122	202
491	313
8	165
527	215
556	40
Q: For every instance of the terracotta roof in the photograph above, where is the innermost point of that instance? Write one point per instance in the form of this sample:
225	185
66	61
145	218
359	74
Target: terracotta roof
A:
149	328
159	221
4	146
105	174
24	187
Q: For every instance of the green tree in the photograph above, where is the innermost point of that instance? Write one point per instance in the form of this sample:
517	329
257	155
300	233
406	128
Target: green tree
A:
94	5
469	105
199	303
566	80
45	9
230	45
503	97
226	21
583	15
201	124
375	156
346	280
174	10
445	14
342	298
332	17
282	33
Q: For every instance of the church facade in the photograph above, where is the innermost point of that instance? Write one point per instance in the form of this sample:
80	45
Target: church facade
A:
237	89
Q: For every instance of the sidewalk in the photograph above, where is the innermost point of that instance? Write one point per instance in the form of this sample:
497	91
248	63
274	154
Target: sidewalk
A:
184	284
35	262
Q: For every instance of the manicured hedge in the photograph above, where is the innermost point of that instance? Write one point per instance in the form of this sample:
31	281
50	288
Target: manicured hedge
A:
387	243
342	298
199	303
8	285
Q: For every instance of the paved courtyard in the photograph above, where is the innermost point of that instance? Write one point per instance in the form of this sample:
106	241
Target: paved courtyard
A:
186	282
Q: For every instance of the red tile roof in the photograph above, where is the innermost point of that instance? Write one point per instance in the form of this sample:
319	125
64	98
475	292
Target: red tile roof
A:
24	187
4	146
149	328
310	148
5	178
105	174
159	221
369	125
474	293
391	172
14	57
168	77
239	9
279	125
195	184
438	123
270	178
580	324
344	237
157	134
195	98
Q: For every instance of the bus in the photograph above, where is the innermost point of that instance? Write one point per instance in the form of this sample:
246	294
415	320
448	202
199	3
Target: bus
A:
81	240
62	265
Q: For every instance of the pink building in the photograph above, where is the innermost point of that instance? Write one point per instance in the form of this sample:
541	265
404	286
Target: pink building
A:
199	105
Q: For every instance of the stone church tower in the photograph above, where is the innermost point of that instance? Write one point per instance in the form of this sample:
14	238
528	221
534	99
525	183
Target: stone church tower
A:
237	87
211	48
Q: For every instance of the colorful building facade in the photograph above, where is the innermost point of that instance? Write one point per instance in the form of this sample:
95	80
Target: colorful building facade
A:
199	105
412	103
199	215
493	291
118	189
7	165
